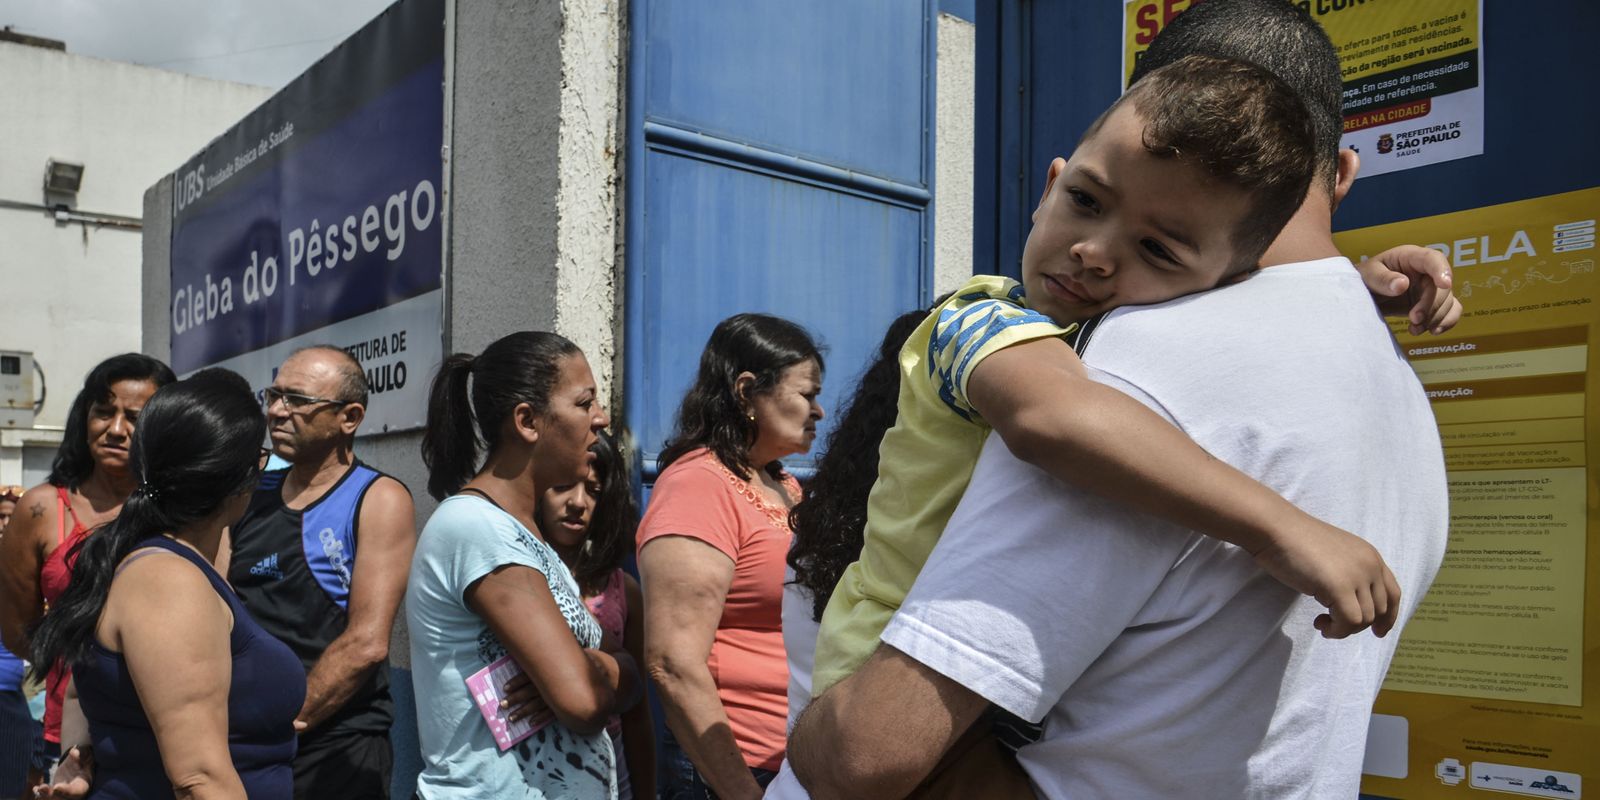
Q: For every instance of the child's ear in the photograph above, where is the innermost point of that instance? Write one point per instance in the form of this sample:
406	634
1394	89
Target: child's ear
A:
1057	166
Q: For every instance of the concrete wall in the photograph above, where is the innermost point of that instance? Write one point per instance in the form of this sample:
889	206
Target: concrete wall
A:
953	148
73	288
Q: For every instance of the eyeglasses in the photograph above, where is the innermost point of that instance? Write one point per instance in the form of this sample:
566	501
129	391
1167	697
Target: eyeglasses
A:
266	455
295	402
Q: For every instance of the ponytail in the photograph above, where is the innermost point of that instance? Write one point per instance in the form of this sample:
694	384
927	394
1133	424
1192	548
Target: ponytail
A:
197	445
450	442
517	368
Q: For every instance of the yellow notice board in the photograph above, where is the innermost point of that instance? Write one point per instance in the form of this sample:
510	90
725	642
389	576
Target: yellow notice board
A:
1496	682
1412	70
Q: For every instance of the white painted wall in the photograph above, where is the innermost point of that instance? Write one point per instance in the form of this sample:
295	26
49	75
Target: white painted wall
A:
953	153
73	289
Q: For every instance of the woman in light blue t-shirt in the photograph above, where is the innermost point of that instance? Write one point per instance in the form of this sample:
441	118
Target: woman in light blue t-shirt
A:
485	585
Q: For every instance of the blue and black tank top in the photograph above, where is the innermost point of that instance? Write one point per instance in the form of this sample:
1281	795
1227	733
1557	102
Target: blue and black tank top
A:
292	568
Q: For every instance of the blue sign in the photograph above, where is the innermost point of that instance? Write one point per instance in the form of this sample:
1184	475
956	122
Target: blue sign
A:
317	219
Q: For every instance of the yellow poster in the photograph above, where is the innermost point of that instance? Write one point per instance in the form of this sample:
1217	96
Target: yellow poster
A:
1413	76
1496	682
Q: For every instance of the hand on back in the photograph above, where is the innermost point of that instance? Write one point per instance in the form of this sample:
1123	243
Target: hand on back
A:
1342	571
1414	282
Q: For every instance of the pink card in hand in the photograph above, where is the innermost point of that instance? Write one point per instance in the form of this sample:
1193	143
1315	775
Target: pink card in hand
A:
486	686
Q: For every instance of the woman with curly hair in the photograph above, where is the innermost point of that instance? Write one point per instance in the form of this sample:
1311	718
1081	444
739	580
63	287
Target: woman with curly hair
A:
832	513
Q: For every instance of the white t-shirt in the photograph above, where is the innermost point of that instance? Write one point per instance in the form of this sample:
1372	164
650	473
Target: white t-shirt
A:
1165	663
800	630
466	539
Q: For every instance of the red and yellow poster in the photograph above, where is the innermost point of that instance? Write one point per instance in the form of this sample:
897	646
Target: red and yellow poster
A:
1413	73
1496	682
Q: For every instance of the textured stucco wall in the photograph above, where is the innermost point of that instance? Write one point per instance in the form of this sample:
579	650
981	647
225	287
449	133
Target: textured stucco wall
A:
587	209
953	143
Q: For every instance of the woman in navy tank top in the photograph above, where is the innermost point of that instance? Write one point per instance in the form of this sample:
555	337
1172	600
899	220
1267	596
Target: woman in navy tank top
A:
183	692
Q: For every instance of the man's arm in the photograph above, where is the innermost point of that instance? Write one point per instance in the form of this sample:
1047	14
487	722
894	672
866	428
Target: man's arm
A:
881	731
1040	399
1031	582
388	536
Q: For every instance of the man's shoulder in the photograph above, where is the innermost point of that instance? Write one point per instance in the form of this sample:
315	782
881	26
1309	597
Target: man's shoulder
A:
385	489
386	504
1268	318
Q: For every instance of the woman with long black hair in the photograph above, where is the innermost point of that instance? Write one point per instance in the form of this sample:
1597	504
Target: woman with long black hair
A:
184	694
486	587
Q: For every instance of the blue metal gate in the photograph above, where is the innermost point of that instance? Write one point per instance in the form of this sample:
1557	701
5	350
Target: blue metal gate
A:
779	160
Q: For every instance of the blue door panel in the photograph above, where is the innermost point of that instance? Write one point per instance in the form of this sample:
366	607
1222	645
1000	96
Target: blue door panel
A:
780	161
838	81
721	240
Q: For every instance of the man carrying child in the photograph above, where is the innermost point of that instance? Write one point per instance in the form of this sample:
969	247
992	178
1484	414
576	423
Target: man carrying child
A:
1163	662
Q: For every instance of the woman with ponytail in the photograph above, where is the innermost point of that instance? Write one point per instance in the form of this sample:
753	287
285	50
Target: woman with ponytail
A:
89	480
485	587
184	694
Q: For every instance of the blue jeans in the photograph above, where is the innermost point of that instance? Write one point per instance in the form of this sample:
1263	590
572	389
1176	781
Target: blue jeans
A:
677	778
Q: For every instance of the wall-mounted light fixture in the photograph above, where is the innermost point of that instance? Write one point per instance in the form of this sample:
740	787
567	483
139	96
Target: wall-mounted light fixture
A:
62	177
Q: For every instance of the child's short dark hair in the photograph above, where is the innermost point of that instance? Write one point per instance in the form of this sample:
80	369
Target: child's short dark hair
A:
1239	124
1283	38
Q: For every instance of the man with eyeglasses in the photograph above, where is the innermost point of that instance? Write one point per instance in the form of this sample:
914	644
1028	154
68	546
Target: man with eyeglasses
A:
320	560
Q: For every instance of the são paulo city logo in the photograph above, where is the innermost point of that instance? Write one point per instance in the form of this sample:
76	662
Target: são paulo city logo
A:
1386	143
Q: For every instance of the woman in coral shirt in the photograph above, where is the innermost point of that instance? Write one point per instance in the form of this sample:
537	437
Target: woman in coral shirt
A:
711	555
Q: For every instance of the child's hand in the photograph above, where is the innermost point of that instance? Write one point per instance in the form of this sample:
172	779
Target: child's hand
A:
1342	571
1414	282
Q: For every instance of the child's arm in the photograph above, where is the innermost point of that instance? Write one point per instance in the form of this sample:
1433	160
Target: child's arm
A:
1413	282
1040	400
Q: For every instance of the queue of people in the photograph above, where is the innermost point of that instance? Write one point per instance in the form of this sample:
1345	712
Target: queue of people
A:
213	629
